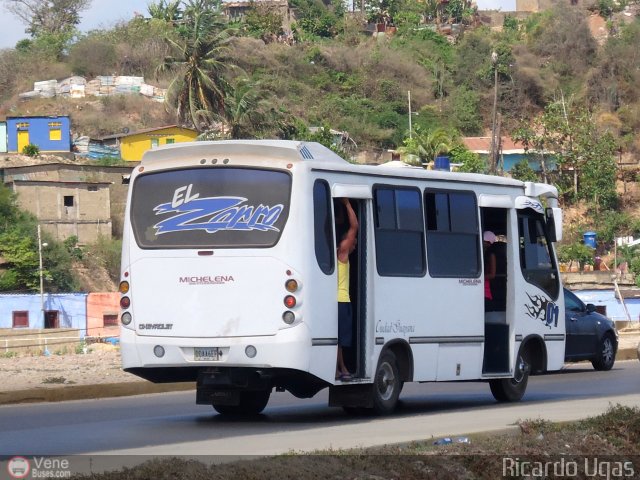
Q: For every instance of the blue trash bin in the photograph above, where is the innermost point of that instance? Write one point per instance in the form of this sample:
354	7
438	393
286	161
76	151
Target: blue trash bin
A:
589	239
442	163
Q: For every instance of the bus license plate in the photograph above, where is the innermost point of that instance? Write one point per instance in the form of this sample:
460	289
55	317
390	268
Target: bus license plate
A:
208	353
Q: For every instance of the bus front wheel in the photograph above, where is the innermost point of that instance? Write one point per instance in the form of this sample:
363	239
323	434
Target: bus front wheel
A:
251	403
387	384
512	389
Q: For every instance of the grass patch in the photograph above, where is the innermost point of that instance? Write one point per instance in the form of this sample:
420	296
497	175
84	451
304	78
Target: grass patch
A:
615	433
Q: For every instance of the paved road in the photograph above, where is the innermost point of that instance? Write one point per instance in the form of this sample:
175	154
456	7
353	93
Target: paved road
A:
170	423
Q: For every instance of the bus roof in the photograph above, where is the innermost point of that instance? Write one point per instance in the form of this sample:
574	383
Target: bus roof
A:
320	157
282	149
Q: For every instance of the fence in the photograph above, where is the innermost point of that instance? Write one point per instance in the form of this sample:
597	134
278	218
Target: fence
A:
48	341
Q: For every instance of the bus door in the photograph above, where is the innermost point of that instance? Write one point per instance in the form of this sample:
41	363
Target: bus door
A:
358	196
496	240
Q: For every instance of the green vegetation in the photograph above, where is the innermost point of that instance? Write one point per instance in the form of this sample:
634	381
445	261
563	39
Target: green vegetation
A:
31	150
575	104
611	440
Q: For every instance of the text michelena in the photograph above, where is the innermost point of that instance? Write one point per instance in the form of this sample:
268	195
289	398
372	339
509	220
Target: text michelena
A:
207	280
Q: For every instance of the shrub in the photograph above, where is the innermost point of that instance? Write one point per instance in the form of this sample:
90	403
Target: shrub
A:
31	150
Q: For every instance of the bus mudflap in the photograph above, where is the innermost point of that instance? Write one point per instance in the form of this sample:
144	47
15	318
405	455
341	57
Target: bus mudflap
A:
223	386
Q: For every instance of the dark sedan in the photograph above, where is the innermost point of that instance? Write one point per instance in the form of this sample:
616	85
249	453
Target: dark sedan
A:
590	335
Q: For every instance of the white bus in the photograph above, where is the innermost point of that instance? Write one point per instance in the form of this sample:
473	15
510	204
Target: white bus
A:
229	276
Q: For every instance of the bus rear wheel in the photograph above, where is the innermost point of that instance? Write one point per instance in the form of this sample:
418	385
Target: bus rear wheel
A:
251	403
386	385
512	389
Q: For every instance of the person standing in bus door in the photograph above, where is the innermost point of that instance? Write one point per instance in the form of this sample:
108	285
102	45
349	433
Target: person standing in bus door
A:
346	246
488	238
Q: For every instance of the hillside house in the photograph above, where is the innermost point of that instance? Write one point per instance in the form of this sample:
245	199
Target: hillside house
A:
103	319
61	310
133	145
51	134
236	11
511	152
3	137
66	209
65	172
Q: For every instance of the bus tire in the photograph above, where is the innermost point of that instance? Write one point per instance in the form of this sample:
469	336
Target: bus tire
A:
251	403
386	384
512	389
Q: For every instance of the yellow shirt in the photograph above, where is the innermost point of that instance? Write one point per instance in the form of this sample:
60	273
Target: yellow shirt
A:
343	282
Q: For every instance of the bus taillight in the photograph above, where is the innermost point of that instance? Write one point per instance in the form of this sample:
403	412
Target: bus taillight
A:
124	287
291	285
290	301
125	303
126	318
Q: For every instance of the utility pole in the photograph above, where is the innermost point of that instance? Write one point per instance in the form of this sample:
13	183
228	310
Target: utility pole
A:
40	245
409	96
494	147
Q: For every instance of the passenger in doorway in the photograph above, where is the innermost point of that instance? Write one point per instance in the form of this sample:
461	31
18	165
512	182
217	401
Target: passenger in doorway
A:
346	246
488	238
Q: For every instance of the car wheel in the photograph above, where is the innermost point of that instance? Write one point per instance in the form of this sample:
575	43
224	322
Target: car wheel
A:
512	389
606	355
251	403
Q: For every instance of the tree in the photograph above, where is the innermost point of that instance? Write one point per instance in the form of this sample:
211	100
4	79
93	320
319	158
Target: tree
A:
264	21
245	109
167	10
570	135
51	22
469	161
200	62
522	171
428	144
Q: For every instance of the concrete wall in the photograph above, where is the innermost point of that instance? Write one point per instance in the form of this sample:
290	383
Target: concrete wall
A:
99	305
71	308
67	208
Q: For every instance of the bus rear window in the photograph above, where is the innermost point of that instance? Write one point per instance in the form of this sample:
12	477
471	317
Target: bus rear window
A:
210	208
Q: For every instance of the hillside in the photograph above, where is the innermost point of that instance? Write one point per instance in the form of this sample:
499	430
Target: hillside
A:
359	83
565	80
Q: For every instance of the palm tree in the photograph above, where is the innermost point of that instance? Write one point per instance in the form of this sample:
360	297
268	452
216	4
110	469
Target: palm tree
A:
428	144
197	92
246	109
167	10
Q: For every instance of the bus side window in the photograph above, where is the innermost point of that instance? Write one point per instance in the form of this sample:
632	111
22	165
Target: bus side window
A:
323	227
453	239
399	232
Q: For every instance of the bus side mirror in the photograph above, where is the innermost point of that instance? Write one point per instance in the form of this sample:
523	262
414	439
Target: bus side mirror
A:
554	223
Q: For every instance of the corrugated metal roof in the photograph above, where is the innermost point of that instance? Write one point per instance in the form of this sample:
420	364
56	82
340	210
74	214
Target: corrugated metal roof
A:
138	132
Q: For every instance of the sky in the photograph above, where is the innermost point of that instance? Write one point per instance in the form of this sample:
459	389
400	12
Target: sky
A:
101	14
106	13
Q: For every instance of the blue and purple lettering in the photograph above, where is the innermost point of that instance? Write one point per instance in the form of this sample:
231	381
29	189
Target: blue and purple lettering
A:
213	214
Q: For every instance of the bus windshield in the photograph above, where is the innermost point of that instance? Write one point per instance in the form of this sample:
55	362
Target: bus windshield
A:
221	207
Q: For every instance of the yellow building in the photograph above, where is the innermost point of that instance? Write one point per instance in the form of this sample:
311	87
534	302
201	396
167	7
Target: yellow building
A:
133	145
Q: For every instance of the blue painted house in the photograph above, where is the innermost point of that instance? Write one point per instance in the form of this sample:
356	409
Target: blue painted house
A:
512	152
61	310
50	134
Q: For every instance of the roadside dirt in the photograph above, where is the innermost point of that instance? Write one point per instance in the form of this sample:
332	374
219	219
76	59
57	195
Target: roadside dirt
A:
101	365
